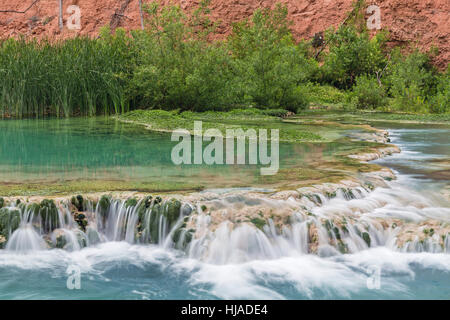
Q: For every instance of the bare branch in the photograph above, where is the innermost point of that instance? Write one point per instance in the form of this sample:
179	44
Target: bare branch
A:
24	11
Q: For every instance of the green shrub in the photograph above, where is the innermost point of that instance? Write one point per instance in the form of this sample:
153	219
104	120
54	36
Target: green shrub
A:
368	93
325	94
440	102
269	66
276	112
411	80
352	54
178	68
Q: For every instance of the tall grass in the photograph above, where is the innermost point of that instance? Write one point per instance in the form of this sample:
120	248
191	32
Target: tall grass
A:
74	77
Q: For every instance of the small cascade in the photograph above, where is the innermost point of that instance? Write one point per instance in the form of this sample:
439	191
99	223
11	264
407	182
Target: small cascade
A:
348	221
237	227
145	221
25	239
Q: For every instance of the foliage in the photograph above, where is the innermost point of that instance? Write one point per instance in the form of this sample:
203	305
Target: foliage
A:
325	94
440	103
411	80
270	67
368	93
74	77
175	65
352	54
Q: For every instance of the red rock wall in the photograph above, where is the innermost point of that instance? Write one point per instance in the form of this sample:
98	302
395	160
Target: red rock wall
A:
424	22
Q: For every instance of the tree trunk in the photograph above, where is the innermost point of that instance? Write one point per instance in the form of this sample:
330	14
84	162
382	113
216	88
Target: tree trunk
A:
142	14
61	25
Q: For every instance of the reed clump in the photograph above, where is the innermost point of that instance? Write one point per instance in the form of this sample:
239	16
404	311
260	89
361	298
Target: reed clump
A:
78	76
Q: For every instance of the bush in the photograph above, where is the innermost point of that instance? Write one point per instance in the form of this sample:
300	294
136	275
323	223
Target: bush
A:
177	67
269	66
368	93
440	102
411	80
325	94
352	54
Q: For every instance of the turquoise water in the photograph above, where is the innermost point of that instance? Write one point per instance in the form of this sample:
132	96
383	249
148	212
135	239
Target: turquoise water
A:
58	150
119	270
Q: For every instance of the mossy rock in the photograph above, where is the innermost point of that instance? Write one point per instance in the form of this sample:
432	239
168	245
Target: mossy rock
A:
314	198
342	247
171	211
131	202
9	221
49	215
147	202
258	222
366	238
158	199
103	207
153	225
143	207
182	237
370	186
78	202
337	233
149	229
331	195
81	220
60	240
328	225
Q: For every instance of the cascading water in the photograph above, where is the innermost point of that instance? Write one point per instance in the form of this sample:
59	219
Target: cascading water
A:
308	243
233	240
351	221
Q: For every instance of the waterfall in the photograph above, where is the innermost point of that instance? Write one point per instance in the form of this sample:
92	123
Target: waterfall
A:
236	228
25	239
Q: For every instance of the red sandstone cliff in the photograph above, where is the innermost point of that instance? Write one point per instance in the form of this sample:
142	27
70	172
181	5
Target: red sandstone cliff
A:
424	22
